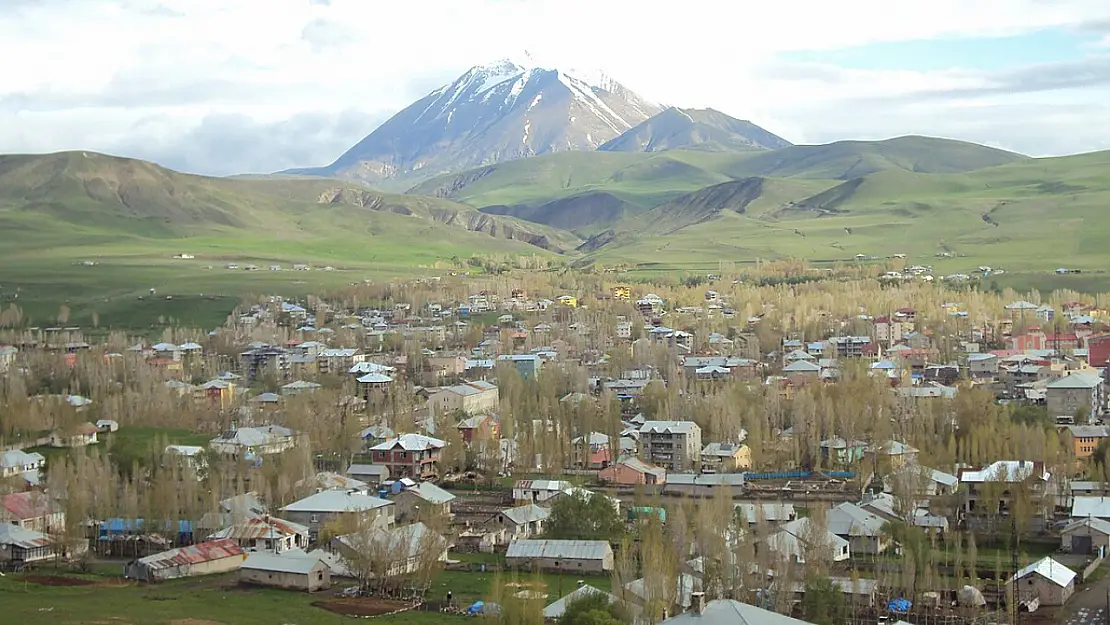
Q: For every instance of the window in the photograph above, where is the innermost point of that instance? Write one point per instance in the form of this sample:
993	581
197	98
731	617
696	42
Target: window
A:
314	519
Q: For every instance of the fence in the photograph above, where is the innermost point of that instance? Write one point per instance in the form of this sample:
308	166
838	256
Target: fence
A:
1092	567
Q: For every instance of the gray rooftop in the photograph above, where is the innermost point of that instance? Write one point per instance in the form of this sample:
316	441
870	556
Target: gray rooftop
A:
563	549
732	612
296	562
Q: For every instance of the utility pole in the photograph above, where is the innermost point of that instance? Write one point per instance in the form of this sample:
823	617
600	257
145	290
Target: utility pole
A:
1014	560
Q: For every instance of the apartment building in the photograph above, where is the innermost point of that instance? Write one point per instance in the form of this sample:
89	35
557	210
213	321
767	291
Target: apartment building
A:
673	445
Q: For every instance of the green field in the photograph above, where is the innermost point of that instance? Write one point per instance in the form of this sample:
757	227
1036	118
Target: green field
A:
218	600
96	233
129	219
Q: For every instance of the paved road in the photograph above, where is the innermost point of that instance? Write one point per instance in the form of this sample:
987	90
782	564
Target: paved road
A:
1088	605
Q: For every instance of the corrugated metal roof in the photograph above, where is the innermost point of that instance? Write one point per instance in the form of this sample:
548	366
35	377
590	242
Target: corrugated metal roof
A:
260	527
298	563
336	501
1049	569
564	549
527	513
20	537
193	554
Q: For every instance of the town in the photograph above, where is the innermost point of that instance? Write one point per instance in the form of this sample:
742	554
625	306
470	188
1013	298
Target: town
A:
780	444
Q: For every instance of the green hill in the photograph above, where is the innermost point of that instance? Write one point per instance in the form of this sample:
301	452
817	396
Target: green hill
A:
1031	215
647	180
97	230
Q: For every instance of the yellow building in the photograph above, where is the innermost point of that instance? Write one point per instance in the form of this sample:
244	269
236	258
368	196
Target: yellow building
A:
569	301
622	292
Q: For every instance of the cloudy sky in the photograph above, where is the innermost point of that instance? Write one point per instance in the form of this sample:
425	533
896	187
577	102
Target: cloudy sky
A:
233	86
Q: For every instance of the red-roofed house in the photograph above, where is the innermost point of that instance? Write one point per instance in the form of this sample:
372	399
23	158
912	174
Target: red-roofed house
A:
632	471
33	510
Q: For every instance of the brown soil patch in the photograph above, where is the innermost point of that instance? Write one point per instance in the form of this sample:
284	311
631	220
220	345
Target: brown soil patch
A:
362	606
46	580
194	621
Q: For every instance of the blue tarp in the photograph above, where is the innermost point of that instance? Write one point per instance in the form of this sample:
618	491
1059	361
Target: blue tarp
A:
899	605
135	526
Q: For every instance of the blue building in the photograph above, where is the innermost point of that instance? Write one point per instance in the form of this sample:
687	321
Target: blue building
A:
527	365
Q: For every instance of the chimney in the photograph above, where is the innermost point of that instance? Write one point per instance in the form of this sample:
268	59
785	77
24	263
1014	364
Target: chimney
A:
697	602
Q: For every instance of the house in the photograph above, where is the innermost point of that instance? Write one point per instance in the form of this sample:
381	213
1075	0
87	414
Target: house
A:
728	612
188	457
20	546
372	474
591	451
526	365
1085	439
1001	476
1086	536
423	501
927	482
557	609
1046	581
842	452
320	509
294	570
631	471
265	533
107	426
219	393
771	513
801	537
469	397
538	491
78	436
479	428
893	455
216	556
298	387
403	549
524	521
801	371
32	510
570	556
982	366
254	441
673	445
17	461
409	455
1075	393
725	458
862	529
327	480
439	367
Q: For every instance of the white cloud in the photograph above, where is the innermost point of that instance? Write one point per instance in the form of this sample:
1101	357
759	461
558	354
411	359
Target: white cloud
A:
153	78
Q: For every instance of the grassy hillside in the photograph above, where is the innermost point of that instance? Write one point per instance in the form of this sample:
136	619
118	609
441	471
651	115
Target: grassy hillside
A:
646	180
129	218
1027	217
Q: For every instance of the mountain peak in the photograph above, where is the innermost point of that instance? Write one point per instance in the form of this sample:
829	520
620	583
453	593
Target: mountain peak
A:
507	109
695	129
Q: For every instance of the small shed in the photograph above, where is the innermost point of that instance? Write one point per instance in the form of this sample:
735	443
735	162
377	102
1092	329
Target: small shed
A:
294	570
1047	581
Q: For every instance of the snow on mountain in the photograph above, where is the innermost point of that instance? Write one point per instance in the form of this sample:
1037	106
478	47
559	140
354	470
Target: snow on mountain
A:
493	113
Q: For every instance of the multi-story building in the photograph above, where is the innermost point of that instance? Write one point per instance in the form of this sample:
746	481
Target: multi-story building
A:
849	346
469	397
409	455
994	485
888	330
338	361
261	360
1071	394
673	445
1086	438
725	458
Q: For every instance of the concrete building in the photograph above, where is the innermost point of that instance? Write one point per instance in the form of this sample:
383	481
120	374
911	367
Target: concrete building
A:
265	533
469	397
216	556
672	445
725	458
631	471
538	491
862	529
1074	393
254	441
1085	439
316	511
1086	536
523	521
570	556
423	502
410	455
293	570
1046	581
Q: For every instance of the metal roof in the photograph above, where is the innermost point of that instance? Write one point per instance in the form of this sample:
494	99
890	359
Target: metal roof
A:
548	485
20	537
1076	380
558	608
410	442
430	492
194	554
527	513
298	563
732	612
563	549
337	501
1049	569
260	527
1088	506
668	427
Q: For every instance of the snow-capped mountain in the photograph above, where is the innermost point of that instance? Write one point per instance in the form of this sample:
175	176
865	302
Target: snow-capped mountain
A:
490	114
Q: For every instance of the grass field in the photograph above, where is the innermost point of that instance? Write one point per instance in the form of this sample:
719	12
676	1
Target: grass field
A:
218	600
